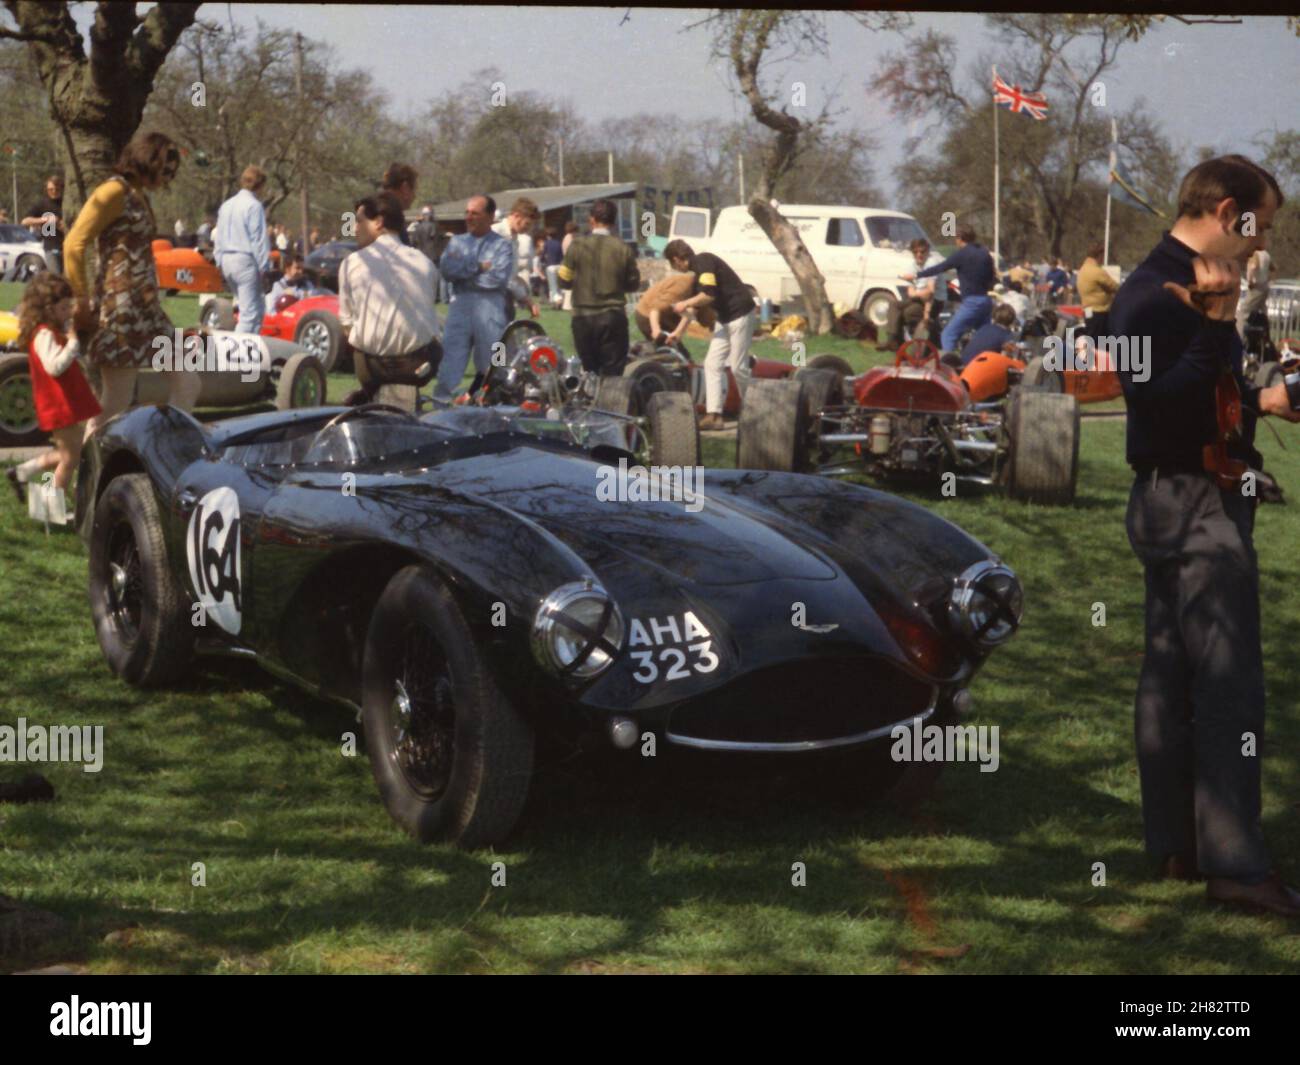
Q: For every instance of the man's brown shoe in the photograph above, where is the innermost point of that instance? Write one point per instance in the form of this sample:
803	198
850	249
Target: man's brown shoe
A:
1272	895
1180	867
712	421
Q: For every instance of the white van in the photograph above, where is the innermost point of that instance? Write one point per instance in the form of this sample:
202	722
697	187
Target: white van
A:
859	250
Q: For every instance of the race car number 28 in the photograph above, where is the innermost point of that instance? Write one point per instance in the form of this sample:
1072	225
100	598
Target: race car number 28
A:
677	648
212	546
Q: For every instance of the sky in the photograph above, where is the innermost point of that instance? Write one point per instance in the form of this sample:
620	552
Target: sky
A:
1218	85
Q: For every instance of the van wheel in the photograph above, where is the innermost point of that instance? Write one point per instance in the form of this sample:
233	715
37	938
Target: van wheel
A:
876	306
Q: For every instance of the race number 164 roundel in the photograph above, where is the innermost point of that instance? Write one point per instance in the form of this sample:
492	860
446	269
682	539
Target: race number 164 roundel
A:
212	547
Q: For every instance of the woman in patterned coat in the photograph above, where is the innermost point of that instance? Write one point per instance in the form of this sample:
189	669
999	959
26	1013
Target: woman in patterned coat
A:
119	219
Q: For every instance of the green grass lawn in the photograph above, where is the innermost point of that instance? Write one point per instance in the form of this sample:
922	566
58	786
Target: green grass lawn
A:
630	866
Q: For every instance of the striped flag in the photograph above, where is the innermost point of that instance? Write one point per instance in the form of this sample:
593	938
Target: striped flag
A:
1015	99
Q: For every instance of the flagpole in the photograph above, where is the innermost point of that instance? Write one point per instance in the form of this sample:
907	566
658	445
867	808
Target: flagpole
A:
997	186
1110	177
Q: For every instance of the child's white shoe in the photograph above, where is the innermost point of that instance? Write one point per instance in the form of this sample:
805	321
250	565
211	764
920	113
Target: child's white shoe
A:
56	505
36	508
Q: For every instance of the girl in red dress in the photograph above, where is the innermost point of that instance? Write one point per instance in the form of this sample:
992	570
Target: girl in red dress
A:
63	399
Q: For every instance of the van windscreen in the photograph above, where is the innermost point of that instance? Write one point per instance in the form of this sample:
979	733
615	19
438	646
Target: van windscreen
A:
895	233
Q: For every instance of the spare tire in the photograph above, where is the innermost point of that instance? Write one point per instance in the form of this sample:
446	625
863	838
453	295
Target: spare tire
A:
773	429
1043	455
674	432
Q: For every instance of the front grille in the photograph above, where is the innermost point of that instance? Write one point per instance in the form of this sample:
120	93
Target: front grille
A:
814	702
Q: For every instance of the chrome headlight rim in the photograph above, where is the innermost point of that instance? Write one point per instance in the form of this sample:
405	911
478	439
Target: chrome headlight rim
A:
974	587
554	618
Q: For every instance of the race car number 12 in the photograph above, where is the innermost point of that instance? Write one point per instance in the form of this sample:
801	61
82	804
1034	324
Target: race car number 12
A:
694	655
212	545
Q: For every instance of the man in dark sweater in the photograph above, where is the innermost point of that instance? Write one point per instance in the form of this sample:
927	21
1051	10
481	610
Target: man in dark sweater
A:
601	269
975	275
992	335
1200	699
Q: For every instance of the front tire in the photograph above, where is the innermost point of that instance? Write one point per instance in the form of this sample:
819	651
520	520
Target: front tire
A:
451	757
674	431
301	384
141	612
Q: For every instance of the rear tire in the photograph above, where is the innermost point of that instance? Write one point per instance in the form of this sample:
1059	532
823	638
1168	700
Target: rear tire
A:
773	429
674	432
821	389
1043	458
18	425
457	763
1037	378
831	362
301	384
141	612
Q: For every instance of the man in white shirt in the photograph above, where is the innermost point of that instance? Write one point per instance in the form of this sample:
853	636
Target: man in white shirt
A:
240	248
386	298
517	227
925	299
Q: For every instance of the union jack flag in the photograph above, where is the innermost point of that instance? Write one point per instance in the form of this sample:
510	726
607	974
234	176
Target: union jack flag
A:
1015	99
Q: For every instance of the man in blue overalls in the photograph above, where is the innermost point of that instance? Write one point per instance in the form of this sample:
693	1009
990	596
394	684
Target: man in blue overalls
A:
480	265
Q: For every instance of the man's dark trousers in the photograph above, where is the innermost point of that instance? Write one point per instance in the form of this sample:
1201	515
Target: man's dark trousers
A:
602	341
1202	683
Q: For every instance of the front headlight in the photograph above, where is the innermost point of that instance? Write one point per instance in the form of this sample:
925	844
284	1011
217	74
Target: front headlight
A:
578	630
986	604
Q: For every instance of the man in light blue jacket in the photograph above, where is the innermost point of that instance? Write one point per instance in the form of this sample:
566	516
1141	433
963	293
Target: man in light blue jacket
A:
480	265
241	250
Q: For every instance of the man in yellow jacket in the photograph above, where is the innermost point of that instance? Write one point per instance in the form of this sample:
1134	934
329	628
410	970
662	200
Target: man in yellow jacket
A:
1096	291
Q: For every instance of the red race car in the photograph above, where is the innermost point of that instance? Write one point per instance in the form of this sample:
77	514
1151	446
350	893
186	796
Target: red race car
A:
311	322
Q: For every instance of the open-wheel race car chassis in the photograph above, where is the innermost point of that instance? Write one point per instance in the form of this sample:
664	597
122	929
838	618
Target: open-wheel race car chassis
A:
913	423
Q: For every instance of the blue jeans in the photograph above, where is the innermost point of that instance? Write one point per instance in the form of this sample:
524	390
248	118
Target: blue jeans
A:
245	280
475	321
971	313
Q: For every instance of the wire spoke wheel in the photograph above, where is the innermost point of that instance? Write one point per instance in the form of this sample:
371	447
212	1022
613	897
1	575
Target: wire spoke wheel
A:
126	581
422	715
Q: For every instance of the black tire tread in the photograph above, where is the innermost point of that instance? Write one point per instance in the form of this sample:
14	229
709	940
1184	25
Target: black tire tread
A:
1043	460
674	430
773	429
165	647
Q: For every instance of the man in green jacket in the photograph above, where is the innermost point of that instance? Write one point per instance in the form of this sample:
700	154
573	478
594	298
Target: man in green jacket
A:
600	269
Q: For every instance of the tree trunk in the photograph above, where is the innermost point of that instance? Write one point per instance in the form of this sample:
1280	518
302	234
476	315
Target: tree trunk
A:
97	99
785	238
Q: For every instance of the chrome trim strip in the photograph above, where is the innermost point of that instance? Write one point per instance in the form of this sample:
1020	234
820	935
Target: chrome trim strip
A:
803	745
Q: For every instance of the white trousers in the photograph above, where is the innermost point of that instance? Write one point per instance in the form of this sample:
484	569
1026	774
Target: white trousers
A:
728	348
